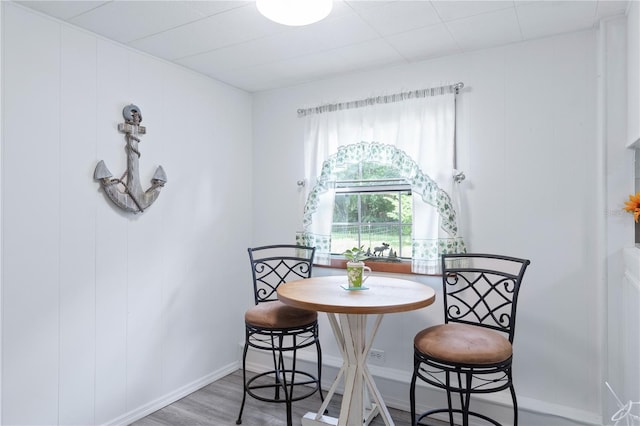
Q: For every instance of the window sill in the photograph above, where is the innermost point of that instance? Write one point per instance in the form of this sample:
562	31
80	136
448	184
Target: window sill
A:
388	267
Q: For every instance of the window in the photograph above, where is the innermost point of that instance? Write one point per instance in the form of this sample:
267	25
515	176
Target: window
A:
372	208
361	193
350	172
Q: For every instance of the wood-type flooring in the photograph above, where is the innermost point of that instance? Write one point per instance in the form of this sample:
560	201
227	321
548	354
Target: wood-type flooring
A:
218	403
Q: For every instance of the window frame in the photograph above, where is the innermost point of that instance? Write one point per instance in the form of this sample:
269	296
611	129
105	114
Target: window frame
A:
402	267
398	186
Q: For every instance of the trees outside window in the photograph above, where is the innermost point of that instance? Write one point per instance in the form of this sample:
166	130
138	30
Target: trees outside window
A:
373	208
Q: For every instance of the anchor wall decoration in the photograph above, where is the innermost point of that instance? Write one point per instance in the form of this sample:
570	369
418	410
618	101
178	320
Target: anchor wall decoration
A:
127	192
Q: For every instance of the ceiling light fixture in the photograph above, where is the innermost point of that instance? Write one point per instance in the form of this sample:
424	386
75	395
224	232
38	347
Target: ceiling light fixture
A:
295	12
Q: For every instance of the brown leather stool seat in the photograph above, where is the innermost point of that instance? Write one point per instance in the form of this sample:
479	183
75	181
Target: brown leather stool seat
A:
463	344
276	314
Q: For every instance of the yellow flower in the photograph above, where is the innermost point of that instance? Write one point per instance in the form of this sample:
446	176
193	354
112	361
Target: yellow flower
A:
633	206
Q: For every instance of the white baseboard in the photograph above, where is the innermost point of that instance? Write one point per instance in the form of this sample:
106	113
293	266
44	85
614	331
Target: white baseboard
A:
163	401
394	386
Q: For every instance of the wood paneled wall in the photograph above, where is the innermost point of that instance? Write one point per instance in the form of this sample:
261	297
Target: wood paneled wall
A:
106	314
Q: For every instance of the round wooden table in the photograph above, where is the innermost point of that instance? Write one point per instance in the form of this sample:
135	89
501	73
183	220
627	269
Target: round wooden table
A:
380	296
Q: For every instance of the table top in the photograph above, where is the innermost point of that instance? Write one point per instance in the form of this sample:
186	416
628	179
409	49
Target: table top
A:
383	295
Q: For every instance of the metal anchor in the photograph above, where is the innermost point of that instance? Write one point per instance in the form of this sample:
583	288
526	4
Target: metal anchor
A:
127	192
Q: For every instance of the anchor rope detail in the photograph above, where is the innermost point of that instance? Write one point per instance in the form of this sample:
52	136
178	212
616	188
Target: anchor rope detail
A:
130	147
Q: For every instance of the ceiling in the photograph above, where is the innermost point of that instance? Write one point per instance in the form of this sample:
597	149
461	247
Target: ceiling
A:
230	41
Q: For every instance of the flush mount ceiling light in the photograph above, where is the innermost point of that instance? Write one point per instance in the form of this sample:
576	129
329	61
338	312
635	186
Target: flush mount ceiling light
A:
294	12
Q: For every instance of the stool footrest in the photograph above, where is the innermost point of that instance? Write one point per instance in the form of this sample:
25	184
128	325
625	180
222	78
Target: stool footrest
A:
307	384
426	414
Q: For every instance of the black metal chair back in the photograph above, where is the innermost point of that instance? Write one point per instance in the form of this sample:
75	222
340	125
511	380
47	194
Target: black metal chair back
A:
482	290
277	264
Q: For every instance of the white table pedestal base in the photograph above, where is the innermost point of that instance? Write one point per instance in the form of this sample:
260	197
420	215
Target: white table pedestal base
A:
350	334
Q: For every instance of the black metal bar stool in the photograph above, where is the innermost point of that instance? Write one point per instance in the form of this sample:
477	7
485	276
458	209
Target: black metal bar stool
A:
272	326
472	351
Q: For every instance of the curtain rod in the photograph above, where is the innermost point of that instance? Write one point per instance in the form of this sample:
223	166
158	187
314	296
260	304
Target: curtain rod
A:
397	97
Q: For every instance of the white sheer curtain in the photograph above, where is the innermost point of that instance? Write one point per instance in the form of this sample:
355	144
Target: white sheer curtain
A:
421	129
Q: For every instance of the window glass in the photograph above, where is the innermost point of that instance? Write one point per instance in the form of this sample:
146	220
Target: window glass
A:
373	208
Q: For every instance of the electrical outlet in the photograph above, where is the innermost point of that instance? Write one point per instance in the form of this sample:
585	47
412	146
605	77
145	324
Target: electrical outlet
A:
376	356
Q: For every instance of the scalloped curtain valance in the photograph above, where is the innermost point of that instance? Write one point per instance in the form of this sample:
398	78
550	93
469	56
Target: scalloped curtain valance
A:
417	138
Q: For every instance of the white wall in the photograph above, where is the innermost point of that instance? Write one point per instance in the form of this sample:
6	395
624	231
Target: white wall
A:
528	143
106	315
623	329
